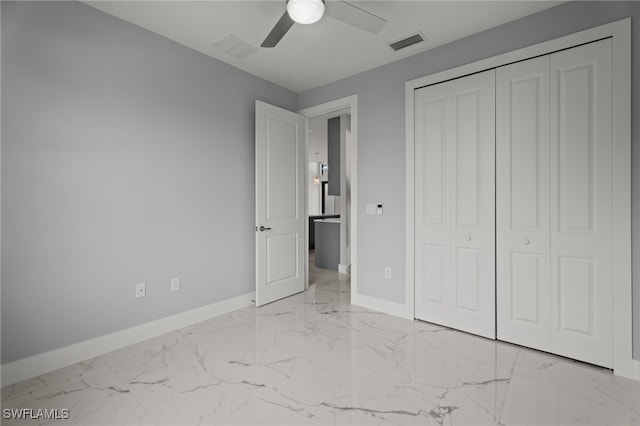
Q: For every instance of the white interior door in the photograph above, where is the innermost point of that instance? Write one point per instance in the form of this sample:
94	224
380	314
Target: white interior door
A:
280	214
522	184
455	203
581	203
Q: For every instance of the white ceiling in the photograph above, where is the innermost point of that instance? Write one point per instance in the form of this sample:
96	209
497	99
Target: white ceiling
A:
313	55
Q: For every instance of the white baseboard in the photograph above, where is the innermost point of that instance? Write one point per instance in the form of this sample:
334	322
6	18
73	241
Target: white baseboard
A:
344	269
628	368
26	368
380	305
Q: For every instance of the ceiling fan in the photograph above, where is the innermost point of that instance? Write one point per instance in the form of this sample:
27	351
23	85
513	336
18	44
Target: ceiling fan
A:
310	11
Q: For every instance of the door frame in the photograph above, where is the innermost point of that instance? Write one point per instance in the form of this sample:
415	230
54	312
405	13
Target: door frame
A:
620	33
351	103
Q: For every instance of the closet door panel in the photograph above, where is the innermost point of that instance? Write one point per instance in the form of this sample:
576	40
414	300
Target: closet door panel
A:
526	287
432	210
522	234
468	276
581	204
468	165
455	204
473	207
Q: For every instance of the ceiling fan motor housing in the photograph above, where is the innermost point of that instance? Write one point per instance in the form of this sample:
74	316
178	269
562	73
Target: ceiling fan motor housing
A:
305	11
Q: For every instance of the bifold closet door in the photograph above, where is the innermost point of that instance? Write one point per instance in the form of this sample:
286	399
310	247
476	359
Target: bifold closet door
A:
554	232
455	203
581	203
522	204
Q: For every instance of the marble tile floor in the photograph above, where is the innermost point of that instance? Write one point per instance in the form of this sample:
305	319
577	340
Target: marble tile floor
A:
315	359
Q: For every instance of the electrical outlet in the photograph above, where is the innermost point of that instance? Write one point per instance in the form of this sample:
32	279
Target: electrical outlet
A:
387	272
175	284
141	290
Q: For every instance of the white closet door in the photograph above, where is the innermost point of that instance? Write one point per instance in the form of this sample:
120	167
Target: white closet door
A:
554	217
455	203
581	203
473	204
522	183
433	154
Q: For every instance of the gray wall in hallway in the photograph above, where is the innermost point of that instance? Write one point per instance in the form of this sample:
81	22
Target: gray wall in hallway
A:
125	158
381	144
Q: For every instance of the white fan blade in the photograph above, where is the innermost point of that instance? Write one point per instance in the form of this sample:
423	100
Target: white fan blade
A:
355	16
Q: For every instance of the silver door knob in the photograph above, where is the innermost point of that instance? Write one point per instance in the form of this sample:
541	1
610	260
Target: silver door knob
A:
526	242
264	228
468	238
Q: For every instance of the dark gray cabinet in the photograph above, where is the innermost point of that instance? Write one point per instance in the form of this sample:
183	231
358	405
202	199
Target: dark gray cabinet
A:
327	243
312	228
333	155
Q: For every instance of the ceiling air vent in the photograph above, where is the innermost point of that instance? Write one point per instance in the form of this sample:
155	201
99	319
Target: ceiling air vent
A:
233	46
406	42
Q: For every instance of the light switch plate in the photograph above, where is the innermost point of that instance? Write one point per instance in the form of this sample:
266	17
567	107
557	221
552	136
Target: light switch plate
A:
175	284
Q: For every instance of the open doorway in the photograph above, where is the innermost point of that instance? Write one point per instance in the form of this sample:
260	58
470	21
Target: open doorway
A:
329	213
328	195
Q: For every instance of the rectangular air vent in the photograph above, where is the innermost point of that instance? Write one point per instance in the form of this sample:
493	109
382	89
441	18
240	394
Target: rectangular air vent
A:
233	46
406	42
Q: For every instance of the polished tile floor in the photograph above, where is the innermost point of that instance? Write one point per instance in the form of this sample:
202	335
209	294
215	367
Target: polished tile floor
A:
315	359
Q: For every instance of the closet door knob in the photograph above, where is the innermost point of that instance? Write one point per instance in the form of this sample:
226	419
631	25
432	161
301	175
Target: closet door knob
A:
468	238
526	242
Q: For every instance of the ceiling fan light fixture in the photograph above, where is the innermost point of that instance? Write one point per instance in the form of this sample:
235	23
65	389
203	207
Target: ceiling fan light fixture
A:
305	11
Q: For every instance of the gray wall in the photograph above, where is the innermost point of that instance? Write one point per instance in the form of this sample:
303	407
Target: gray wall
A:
125	158
381	149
